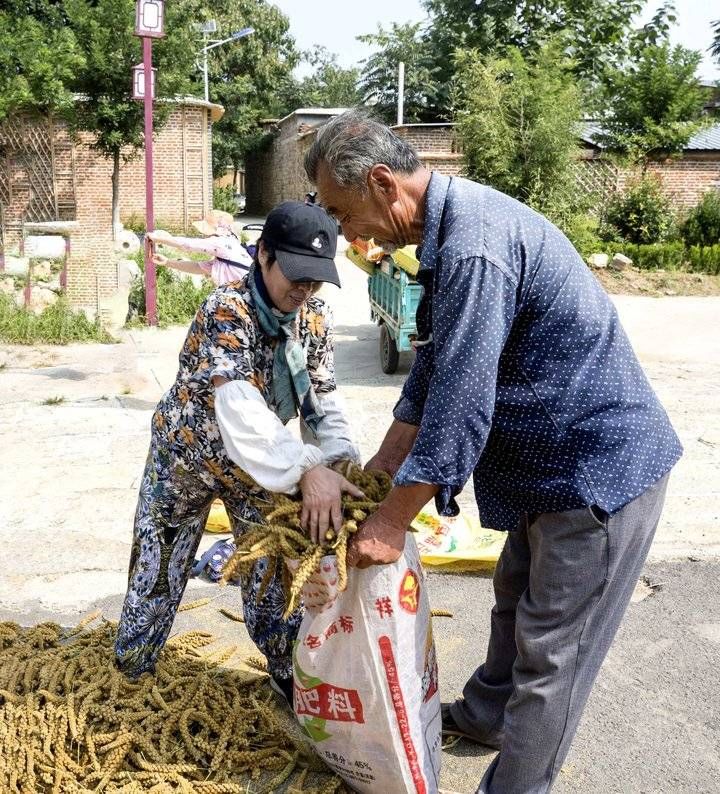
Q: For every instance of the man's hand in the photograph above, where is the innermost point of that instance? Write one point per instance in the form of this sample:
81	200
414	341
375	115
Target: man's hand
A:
377	542
322	491
380	463
395	447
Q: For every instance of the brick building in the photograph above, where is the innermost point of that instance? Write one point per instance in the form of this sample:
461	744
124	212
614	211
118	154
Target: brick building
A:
276	172
46	177
684	178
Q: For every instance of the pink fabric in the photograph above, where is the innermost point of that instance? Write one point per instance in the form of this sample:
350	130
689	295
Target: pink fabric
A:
222	272
226	248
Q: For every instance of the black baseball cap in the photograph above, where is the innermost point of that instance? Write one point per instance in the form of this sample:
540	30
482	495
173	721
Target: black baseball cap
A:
304	237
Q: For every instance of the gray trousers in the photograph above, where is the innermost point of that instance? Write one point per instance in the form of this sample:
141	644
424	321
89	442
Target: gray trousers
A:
562	585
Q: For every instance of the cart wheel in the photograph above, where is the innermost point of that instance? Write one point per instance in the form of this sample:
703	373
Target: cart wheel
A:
389	355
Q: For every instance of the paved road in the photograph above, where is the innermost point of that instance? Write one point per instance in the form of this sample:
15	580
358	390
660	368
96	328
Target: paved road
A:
68	484
652	725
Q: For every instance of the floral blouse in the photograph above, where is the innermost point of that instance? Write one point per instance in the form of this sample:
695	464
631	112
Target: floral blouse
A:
225	339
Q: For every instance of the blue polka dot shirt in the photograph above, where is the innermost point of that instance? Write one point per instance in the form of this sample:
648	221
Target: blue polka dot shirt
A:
527	381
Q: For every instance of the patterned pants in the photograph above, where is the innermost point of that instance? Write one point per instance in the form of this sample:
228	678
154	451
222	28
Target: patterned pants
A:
173	506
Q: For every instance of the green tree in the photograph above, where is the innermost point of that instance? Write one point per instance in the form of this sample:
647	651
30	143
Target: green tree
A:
517	118
715	46
38	58
328	86
379	78
104	31
248	77
596	33
655	102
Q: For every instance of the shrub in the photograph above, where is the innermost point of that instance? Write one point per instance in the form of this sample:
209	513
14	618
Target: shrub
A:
658	256
224	199
178	299
517	119
704	259
642	214
582	231
702	225
56	325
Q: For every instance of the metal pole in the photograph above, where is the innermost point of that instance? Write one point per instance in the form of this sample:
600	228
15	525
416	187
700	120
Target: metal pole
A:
150	281
205	75
401	92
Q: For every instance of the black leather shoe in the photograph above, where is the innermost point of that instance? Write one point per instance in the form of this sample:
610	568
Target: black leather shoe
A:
451	728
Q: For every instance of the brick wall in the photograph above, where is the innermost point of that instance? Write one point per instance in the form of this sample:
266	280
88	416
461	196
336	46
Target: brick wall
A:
92	269
438	138
684	179
82	181
276	173
182	165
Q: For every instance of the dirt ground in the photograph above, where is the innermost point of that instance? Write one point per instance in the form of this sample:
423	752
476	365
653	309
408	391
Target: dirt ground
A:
77	420
75	433
657	283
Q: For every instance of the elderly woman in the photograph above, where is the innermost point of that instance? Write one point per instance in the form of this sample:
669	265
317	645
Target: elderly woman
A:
259	352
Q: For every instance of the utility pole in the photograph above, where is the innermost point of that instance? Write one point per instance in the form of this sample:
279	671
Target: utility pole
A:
401	93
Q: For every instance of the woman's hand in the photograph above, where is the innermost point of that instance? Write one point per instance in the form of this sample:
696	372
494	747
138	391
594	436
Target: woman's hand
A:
159	260
322	491
158	235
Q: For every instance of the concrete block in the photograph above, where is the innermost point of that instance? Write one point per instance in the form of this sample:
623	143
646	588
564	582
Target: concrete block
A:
127	270
40	299
620	262
126	242
46	246
17	265
598	260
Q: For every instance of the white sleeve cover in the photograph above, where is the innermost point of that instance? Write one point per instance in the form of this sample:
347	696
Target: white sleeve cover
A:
334	436
258	442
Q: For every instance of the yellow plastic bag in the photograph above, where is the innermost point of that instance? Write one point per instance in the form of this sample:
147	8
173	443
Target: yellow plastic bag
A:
457	544
218	520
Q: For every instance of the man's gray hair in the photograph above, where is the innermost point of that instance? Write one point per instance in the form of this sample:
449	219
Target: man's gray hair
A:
352	143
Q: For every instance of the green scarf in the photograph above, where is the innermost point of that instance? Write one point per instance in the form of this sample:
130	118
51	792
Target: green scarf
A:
291	387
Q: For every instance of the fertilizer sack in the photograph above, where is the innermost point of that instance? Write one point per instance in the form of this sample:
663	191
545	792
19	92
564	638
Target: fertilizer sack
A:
366	677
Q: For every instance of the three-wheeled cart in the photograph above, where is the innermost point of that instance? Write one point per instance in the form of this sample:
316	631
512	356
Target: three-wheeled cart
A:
394	298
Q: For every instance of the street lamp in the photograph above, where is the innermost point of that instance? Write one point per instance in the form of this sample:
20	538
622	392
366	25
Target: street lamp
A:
139	81
149	25
210	27
150	18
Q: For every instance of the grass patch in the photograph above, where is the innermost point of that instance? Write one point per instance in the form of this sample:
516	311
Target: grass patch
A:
59	324
54	400
178	299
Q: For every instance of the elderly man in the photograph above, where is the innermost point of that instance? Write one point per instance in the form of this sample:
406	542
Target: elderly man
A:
526	381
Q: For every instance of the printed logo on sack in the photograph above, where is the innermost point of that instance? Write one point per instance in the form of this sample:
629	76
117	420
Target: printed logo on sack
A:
327	702
409	592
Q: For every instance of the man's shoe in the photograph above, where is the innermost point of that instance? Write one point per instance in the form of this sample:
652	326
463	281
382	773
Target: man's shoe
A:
451	728
284	688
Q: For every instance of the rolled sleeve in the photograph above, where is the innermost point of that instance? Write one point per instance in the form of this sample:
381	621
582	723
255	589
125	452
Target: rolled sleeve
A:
473	312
